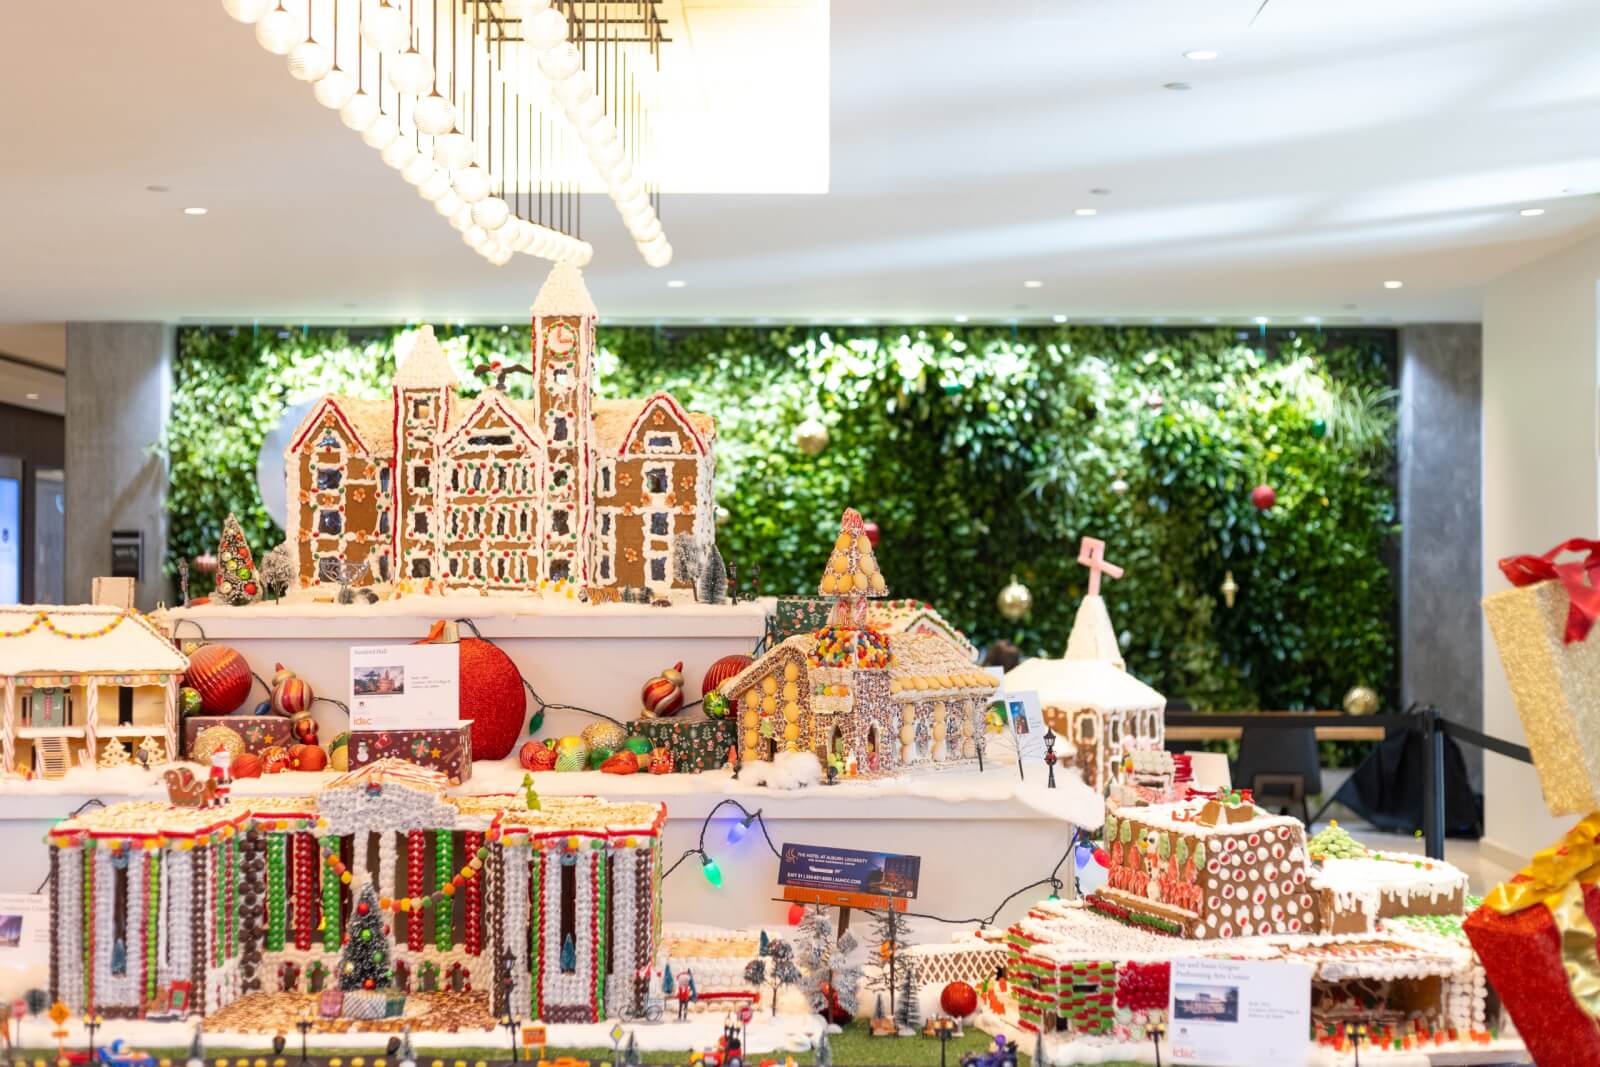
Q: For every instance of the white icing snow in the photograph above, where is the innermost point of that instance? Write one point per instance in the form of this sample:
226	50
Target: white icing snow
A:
563	293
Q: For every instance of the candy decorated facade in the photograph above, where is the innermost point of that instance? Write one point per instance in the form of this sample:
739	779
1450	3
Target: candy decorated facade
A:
876	701
553	912
435	490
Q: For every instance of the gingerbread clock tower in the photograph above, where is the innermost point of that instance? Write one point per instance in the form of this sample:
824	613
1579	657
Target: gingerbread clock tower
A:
563	365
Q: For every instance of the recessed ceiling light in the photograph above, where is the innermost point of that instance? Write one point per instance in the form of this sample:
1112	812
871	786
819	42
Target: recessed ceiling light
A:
676	283
961	318
1261	320
1392	284
1099	191
31	396
155	188
1085	212
1178	87
1058	318
194	211
1200	55
1531	212
1032	283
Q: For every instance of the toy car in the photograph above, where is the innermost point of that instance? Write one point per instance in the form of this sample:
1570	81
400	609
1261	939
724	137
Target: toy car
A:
1004	1054
118	1054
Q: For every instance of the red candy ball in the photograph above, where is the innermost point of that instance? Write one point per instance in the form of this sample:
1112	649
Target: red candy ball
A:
363	907
958	999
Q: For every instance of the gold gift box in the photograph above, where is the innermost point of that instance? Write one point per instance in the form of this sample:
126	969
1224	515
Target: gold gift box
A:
1556	687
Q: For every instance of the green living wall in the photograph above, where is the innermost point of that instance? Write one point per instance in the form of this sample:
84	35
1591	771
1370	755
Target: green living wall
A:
981	453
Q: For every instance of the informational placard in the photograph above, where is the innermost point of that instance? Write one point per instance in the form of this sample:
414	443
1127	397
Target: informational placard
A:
847	877
24	929
405	687
1025	721
1249	1013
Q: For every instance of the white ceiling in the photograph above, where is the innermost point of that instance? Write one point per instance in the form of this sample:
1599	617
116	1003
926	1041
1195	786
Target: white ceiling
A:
1332	146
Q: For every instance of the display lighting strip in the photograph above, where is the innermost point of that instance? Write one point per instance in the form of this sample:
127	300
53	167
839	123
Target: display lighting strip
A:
485	105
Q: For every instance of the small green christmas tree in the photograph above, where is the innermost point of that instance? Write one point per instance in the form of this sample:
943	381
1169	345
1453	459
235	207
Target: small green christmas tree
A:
366	961
237	581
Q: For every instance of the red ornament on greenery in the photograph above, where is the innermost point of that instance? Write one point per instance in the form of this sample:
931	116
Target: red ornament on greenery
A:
221	677
1263	497
958	1000
871	530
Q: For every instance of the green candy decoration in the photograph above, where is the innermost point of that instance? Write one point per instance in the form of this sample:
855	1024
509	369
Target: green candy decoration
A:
1183	850
1163	846
1199	853
715	704
598	756
1125	832
1111	827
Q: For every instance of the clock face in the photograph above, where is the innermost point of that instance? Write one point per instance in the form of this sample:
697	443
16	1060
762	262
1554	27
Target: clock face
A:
561	339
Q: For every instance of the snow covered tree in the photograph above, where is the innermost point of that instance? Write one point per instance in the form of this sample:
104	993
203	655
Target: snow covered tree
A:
831	978
824	1057
909	1013
279	571
630	1051
889	931
765	943
668	986
1038	1049
775	969
365	962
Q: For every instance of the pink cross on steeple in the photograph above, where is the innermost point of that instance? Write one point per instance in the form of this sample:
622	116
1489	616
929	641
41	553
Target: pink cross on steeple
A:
1092	554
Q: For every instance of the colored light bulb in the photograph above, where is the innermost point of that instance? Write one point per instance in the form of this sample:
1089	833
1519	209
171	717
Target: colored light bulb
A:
709	868
737	831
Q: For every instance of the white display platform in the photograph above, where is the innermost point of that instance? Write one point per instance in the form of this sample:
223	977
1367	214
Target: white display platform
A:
980	835
592	655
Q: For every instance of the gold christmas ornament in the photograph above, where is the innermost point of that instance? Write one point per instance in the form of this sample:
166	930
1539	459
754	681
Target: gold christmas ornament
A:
213	739
1360	700
604	735
1230	589
1015	601
811	437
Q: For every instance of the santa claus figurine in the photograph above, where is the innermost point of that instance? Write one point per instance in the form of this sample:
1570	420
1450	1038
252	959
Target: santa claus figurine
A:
222	773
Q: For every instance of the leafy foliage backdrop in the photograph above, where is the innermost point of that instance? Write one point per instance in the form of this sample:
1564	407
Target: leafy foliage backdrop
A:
981	453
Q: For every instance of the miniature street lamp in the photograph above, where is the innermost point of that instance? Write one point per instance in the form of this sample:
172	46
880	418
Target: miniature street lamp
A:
1156	1031
944	1028
303	1024
1358	1034
511	1029
92	1022
1050	756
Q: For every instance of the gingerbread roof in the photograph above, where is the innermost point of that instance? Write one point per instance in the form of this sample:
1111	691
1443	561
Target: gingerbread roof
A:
852	567
916	617
563	293
425	365
57	639
614	421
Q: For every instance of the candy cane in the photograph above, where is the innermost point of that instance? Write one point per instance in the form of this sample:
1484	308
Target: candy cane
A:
91	720
8	728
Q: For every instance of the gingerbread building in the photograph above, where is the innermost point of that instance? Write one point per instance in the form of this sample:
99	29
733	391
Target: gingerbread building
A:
438	491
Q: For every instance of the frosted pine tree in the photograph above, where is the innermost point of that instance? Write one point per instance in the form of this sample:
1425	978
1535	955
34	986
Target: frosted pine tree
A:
831	979
909	1013
889	931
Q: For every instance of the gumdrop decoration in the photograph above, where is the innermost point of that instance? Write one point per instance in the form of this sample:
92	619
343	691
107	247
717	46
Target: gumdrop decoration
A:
237	581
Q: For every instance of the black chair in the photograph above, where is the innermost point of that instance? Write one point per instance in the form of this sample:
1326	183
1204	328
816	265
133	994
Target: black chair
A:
1281	768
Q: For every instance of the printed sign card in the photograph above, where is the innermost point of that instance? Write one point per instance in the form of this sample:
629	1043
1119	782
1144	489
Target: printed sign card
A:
847	877
1249	1013
405	687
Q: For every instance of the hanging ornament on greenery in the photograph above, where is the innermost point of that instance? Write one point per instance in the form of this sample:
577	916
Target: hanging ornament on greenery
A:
723	515
1230	588
1119	486
1263	497
811	437
1015	601
1361	700
871	530
1319	428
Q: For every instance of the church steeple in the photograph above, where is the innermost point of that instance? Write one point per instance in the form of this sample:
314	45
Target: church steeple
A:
563	390
423	388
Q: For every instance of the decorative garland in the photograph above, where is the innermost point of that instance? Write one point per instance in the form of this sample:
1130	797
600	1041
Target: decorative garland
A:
419	903
43	619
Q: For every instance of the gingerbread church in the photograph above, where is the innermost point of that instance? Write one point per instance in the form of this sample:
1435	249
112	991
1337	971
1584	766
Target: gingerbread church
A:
436	491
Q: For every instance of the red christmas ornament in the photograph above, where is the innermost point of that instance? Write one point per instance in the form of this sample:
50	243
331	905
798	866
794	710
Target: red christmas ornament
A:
723	669
662	696
369	983
958	1000
492	698
537	756
221	677
245	765
796	913
363	907
1263	497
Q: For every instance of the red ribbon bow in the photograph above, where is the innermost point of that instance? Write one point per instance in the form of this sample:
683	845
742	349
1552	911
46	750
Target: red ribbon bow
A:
1579	579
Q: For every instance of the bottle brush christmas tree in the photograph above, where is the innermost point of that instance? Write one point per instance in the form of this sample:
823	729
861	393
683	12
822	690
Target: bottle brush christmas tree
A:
366	962
237	581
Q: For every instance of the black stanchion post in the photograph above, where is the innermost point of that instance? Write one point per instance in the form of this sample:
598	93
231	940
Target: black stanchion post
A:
1433	787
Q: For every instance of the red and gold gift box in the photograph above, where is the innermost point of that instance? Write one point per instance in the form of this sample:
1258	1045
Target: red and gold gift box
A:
1536	937
1541	630
448	750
